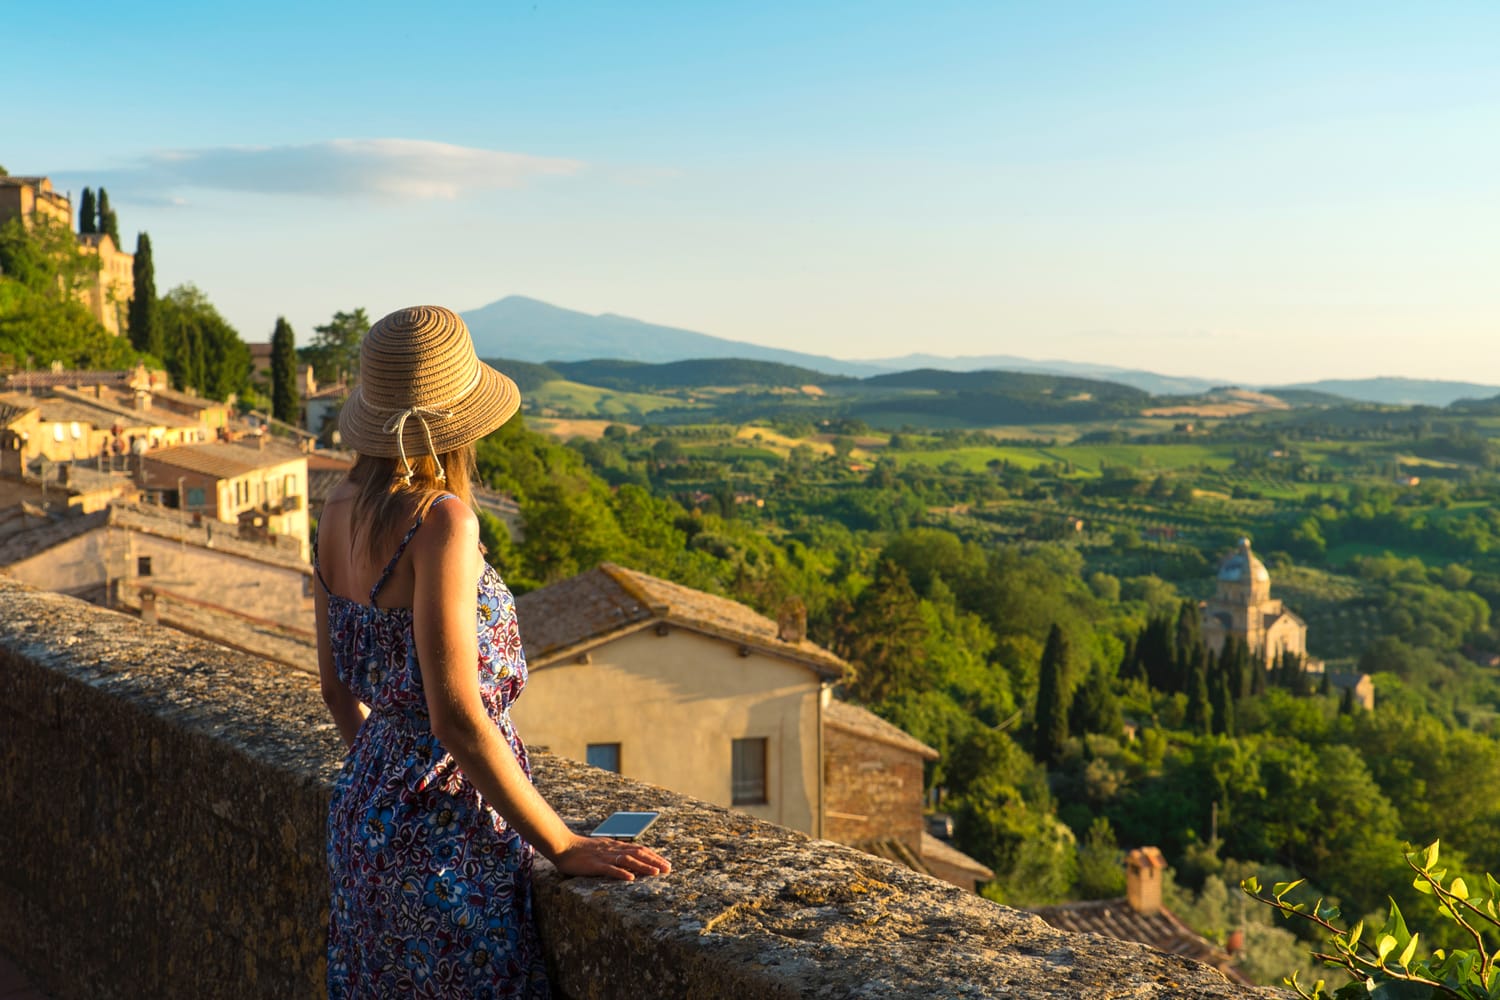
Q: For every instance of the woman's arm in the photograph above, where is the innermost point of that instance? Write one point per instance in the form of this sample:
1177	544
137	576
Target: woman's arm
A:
348	711
446	561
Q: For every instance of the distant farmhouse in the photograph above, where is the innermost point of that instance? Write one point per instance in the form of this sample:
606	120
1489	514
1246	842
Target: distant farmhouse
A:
1242	607
108	293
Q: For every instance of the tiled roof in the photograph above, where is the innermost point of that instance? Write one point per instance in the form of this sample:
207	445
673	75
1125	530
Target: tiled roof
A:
861	722
1116	918
121	413
893	849
224	459
187	399
941	851
259	638
49	379
611	599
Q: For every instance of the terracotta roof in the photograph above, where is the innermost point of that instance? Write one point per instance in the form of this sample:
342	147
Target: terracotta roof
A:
97	414
893	849
862	722
224	459
1116	918
941	851
49	379
187	399
123	413
610	600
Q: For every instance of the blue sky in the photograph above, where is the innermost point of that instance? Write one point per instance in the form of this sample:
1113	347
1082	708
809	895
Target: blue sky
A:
1266	192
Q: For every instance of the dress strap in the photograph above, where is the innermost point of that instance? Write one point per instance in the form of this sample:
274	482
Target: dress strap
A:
400	550
316	570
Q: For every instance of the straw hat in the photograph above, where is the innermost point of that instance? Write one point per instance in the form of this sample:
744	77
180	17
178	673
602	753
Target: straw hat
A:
422	388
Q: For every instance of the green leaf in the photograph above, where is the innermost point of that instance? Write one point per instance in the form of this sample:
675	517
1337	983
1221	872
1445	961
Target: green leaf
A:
1459	888
1251	885
1282	888
1432	855
1384	945
1422	885
1354	933
1395	925
1406	954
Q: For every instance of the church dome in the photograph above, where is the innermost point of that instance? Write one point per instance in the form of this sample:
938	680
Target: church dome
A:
1242	566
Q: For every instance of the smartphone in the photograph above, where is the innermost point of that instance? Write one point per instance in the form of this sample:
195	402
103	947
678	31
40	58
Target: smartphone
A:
625	825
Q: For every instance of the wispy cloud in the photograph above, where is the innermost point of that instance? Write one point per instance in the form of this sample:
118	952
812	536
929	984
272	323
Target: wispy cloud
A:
405	169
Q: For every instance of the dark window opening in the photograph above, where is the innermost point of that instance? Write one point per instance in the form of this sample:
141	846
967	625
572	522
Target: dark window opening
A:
605	756
749	780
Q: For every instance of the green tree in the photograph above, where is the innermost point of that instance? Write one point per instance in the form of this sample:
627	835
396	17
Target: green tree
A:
1101	870
1199	707
334	352
1052	702
145	328
204	353
1095	708
883	638
108	224
88	212
284	372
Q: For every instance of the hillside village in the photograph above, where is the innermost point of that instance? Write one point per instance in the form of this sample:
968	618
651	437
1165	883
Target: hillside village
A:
791	596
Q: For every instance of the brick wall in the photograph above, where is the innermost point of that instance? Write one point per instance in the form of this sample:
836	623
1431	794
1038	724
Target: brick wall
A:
871	790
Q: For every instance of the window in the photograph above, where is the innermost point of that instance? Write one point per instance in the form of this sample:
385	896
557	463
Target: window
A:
196	496
605	756
142	565
749	772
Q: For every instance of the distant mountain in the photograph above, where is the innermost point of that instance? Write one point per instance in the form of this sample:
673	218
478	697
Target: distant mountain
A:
1156	385
528	330
1398	391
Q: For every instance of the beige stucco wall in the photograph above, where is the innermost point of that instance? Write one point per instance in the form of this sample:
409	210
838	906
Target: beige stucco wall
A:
675	703
221	579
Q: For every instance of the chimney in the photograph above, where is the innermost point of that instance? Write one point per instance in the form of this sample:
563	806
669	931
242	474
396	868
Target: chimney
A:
791	621
1143	868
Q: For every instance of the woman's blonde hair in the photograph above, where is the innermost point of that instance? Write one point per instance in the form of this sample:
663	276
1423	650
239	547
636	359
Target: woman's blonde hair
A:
384	502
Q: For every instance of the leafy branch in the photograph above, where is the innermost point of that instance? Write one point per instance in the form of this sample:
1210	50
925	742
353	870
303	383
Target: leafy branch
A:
1463	973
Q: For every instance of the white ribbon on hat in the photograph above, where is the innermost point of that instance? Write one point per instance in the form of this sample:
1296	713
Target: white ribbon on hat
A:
397	425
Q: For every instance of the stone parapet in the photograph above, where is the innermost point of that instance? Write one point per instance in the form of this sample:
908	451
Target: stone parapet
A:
164	801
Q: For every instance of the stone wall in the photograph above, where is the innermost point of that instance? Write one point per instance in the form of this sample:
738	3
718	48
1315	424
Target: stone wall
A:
164	801
871	790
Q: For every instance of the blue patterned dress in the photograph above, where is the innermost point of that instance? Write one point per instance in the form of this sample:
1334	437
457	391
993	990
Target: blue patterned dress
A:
431	888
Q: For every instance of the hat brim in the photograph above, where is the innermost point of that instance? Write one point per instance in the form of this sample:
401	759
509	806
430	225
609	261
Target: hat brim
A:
494	399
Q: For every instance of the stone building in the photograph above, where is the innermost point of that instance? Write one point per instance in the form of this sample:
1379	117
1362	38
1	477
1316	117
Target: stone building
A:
698	693
1242	606
259	486
107	295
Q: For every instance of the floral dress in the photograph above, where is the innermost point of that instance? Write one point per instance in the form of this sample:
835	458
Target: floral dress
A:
431	888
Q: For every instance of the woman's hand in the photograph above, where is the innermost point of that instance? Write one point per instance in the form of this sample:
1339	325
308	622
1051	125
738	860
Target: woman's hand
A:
609	858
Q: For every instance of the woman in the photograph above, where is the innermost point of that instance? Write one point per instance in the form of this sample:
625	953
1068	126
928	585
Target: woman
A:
434	815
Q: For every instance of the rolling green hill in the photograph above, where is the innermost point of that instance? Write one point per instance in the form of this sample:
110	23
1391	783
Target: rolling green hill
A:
637	376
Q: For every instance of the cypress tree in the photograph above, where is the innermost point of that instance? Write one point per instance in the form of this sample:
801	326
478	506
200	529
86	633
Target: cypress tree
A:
1189	646
1095	708
1199	710
1346	702
1052	698
1259	676
107	221
1221	699
88	212
145	325
284	372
